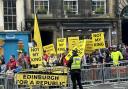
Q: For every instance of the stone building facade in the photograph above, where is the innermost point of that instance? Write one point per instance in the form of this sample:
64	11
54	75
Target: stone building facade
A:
64	18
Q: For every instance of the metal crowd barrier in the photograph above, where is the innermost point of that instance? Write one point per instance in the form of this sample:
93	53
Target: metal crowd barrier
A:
104	73
91	74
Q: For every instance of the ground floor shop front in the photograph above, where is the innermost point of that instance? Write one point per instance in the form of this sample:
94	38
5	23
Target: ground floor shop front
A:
51	29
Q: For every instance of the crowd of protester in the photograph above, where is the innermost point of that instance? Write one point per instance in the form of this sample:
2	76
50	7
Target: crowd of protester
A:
111	54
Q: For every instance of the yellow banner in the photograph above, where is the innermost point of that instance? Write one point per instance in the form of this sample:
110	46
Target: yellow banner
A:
41	79
35	55
80	48
37	37
61	45
89	48
49	49
72	42
98	40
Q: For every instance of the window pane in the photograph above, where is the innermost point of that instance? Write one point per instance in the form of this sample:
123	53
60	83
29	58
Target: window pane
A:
45	3
9	11
102	3
71	6
46	7
5	26
65	3
5	19
5	3
36	3
41	6
14	11
5	11
93	3
10	26
14	18
13	4
9	4
98	3
14	26
10	19
74	2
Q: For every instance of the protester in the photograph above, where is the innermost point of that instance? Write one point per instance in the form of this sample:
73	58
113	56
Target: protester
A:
10	73
116	56
75	69
125	54
63	60
12	63
2	64
21	61
52	61
3	67
27	60
45	58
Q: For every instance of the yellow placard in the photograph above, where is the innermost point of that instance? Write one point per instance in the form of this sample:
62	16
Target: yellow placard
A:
49	49
98	40
89	48
35	55
80	48
72	42
41	79
61	45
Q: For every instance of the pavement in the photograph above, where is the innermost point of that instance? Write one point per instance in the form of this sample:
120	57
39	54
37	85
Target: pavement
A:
108	86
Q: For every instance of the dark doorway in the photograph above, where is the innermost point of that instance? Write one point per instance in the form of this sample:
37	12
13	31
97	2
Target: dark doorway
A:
125	31
47	37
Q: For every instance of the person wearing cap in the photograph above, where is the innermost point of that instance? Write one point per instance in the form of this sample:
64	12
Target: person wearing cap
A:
116	56
75	69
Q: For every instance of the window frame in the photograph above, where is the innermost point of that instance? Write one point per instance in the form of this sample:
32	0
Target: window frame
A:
41	0
100	6
11	16
72	5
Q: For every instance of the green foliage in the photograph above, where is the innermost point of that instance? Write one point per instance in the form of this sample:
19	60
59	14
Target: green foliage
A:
99	10
41	10
67	9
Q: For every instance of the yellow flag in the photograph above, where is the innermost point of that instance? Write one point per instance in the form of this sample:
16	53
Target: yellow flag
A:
37	37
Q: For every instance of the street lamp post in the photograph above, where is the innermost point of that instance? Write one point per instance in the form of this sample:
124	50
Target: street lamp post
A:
62	31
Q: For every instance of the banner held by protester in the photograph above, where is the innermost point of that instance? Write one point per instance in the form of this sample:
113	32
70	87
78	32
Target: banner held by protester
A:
35	55
41	79
89	46
98	40
72	42
80	48
49	49
61	45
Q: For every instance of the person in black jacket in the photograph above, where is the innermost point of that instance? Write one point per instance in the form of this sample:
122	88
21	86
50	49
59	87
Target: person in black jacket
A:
75	69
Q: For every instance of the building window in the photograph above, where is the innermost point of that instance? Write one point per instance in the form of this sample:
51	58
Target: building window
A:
71	6
99	6
10	14
41	6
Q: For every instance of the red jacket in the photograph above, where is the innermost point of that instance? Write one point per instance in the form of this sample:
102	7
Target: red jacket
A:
11	64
